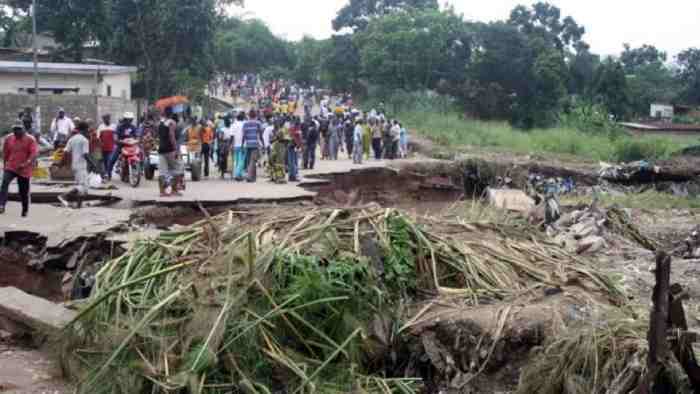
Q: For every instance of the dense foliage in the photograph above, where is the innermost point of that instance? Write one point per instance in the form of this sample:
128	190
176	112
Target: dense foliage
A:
526	69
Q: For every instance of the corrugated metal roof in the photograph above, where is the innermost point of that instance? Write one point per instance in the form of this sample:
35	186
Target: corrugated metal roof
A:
64	68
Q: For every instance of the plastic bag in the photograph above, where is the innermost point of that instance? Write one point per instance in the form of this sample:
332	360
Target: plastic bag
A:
94	180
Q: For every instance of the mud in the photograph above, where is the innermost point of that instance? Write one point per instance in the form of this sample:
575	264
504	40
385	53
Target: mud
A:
16	273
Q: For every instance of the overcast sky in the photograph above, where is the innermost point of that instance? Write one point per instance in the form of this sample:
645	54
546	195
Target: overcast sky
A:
671	25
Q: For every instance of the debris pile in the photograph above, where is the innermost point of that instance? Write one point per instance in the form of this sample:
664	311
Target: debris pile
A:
592	229
331	300
628	172
692	245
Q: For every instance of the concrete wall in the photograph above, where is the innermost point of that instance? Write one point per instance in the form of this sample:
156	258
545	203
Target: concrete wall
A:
120	86
81	106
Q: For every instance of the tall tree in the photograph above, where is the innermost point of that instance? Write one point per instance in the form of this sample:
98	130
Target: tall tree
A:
543	21
689	75
308	54
342	65
248	46
414	49
357	14
634	58
610	88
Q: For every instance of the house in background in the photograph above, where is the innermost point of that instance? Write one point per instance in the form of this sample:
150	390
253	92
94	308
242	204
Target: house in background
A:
66	78
661	111
86	90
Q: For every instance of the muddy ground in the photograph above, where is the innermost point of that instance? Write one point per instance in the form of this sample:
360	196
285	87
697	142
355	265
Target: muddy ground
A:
433	188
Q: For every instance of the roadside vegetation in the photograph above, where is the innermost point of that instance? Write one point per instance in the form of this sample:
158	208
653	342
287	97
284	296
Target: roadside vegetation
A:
582	131
651	199
454	131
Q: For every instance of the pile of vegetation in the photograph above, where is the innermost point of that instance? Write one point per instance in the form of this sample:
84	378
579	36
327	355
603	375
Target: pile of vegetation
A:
320	301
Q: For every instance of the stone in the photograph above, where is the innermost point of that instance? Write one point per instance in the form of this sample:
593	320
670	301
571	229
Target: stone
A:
584	229
34	312
591	244
510	199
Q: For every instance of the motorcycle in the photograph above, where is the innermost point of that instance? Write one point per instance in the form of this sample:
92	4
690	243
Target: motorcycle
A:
131	162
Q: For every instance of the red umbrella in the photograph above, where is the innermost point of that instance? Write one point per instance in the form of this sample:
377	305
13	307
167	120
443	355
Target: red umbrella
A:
163	103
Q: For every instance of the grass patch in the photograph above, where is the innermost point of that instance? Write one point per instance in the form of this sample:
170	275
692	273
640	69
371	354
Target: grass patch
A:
453	131
650	199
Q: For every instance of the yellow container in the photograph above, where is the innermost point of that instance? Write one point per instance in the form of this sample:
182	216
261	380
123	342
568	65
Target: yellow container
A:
40	173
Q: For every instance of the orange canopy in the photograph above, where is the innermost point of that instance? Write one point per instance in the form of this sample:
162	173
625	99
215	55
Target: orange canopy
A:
163	103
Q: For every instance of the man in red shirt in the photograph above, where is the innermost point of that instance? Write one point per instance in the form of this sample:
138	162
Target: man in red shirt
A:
19	152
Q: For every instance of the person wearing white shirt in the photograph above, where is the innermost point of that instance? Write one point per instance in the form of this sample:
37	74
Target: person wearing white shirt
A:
267	136
357	143
61	128
239	159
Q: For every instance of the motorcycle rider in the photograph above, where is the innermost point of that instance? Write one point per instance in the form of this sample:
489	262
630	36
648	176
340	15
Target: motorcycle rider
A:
125	130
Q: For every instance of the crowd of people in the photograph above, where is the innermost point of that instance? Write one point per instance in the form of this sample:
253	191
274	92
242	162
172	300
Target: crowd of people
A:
274	135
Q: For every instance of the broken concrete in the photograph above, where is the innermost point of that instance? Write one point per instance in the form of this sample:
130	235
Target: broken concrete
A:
34	312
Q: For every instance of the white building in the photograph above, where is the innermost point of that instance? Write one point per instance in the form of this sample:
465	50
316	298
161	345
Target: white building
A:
661	111
67	79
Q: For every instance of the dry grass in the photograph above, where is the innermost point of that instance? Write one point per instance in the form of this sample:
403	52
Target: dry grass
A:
285	301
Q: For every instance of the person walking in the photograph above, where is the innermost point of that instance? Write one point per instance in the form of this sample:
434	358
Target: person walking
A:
207	138
403	142
79	147
349	131
252	131
106	134
334	138
357	140
224	138
366	139
275	162
239	152
19	152
168	165
293	147
312	136
61	128
395	134
376	139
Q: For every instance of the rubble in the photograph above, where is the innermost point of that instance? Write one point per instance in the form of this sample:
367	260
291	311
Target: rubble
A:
591	230
692	245
34	312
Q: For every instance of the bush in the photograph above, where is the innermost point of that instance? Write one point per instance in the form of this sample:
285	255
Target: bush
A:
633	149
589	118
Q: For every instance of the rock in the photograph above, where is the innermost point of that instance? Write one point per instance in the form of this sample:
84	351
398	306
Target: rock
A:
584	229
568	219
510	199
591	244
34	312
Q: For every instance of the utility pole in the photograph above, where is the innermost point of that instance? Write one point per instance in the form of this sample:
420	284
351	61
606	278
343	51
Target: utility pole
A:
37	108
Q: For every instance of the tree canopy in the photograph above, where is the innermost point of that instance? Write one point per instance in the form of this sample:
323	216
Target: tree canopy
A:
357	14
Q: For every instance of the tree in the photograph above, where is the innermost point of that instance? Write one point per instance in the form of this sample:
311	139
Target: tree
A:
543	22
341	67
308	54
414	49
610	88
248	46
689	75
356	15
634	58
582	66
170	40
